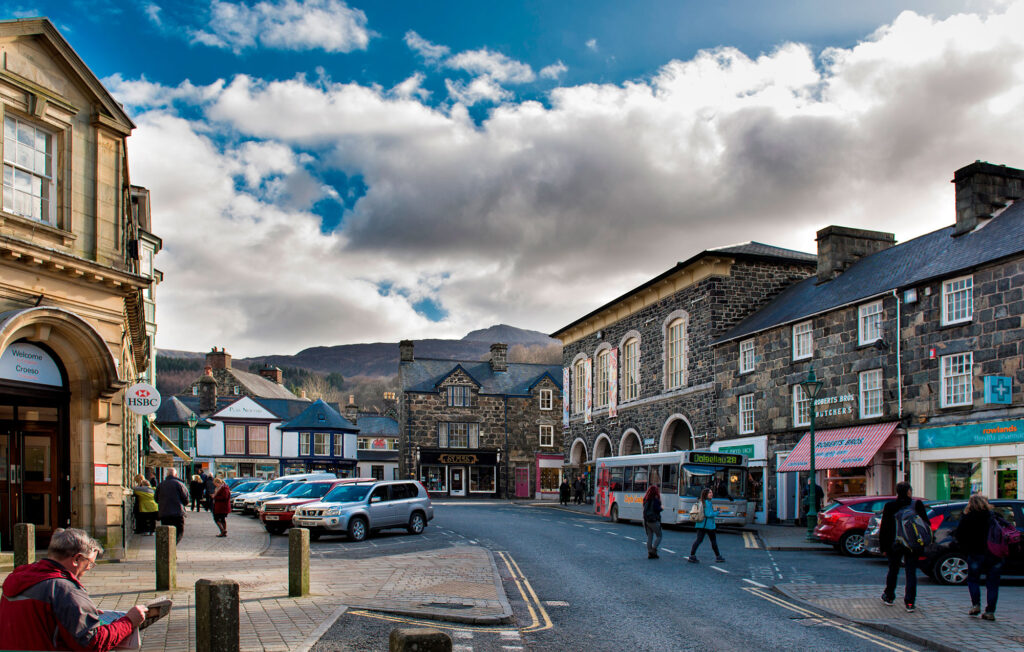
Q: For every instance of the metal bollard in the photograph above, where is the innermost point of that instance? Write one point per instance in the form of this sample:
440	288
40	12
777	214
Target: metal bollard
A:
298	562
166	558
217	616
419	639
24	544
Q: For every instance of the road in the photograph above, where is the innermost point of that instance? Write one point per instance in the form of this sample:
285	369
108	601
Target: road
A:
577	582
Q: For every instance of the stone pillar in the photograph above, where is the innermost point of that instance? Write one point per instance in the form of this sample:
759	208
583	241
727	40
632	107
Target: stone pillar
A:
988	477
24	544
217	616
298	562
420	639
166	558
1020	472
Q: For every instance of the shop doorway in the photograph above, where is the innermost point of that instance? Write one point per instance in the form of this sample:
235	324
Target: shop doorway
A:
522	482
458	481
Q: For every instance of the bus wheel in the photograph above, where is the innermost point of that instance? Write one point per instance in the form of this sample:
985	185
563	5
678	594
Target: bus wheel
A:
615	513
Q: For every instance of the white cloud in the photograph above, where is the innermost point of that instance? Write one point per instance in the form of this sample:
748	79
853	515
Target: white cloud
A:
328	25
425	48
592	45
554	71
152	11
544	211
494	65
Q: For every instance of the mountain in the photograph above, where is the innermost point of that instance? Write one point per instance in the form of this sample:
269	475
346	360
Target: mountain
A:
509	335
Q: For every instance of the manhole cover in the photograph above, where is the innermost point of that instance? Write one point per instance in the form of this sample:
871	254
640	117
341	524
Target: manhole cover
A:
446	605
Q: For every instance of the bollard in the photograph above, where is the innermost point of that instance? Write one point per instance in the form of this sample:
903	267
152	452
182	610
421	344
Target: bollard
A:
166	558
298	562
217	616
420	639
24	544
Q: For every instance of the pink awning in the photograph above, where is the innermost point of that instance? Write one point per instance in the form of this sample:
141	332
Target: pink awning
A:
839	448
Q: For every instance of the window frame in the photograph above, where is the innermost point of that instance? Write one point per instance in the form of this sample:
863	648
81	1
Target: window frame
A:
326	441
48	182
866	393
338	448
460	396
472	433
676	352
944	376
797	352
602	375
546	397
305	445
579	386
968	304
800	397
746	426
873	318
550	435
747	346
630	369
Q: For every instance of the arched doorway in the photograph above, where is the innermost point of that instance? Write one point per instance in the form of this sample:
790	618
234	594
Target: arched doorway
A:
676	435
602	447
578	453
630	444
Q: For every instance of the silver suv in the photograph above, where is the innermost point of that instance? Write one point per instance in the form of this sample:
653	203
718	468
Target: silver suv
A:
361	508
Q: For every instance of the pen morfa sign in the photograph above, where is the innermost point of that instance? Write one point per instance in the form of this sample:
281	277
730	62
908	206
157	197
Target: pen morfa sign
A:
142	398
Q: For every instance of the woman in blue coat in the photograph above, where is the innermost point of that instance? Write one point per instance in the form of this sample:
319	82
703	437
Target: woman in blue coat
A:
706	528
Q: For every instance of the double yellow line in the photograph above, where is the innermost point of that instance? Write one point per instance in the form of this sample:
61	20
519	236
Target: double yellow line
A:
539	619
845	627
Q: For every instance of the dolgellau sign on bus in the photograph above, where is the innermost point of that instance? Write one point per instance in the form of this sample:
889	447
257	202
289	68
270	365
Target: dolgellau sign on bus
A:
142	398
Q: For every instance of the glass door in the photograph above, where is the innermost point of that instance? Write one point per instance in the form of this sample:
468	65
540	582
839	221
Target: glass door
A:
458	481
29	471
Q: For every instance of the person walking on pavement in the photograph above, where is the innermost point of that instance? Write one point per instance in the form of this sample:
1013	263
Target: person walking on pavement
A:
145	502
221	505
652	516
579	488
971	535
896	551
172	498
563	491
210	489
197	493
706	528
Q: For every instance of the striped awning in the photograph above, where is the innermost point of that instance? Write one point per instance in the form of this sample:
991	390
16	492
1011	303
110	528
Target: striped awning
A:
839	448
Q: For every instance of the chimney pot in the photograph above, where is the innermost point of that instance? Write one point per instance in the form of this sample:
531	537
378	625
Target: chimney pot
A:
272	373
981	190
218	359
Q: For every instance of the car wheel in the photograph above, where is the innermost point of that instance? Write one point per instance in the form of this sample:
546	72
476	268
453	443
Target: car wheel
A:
275	529
951	569
852	544
416	523
614	514
357	529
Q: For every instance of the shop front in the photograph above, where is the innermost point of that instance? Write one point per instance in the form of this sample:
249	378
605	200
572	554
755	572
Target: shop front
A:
341	468
956	461
231	467
549	476
469	473
756	450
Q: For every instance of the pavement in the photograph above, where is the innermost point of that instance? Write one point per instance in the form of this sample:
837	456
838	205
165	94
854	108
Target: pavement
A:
459	583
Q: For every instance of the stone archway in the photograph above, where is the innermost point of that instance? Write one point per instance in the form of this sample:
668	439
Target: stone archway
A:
677	435
578	453
603	446
630	444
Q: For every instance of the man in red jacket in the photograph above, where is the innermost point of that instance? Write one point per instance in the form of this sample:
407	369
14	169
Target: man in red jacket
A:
45	607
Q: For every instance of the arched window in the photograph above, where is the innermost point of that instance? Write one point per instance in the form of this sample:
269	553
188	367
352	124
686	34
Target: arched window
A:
579	386
675	352
602	371
631	369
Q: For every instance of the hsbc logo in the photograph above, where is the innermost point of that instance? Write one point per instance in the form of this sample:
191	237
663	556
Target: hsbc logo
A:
142	398
142	393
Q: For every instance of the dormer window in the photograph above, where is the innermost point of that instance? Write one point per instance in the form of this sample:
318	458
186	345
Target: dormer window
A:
458	395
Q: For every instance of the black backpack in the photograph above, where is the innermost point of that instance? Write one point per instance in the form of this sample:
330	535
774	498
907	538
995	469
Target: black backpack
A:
912	531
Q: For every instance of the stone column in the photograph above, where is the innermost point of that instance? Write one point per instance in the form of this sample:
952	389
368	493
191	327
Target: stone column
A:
166	558
988	475
217	616
298	562
24	544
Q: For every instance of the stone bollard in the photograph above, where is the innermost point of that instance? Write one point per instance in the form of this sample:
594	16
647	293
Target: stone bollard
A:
24	544
166	558
298	562
217	616
419	639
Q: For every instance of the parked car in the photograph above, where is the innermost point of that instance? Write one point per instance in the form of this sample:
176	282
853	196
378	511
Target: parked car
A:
362	508
237	480
277	514
274	486
844	522
239	493
254	505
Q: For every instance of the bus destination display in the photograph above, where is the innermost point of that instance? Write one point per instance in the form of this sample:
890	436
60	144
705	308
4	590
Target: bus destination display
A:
716	458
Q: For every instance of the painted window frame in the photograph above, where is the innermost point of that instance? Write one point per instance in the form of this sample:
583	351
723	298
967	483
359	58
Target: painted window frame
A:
339	444
800	400
949	300
948	382
747	347
676	350
746	414
546	400
546	433
869	322
323	438
304	444
870	384
247	439
630	379
602	375
47	181
579	385
804	329
460	396
472	434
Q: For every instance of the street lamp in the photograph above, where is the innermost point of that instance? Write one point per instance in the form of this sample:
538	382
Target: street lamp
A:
811	388
193	420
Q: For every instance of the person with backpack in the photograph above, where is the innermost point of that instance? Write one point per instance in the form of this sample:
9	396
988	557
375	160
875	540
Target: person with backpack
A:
652	516
703	515
972	536
903	535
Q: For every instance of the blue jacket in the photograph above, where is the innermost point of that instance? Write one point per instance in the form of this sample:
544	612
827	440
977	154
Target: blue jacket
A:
709	517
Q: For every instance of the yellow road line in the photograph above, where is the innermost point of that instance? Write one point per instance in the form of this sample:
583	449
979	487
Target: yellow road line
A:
533	604
750	541
435	624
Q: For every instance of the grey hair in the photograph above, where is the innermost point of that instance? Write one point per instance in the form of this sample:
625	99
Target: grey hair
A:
70	542
171	471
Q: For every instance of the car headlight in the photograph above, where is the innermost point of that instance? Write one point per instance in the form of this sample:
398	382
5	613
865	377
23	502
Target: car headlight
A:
333	511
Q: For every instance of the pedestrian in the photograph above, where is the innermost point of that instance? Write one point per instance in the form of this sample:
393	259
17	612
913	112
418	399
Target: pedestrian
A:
197	493
563	491
578	489
136	482
897	551
145	502
705	527
819	496
210	489
221	505
172	498
971	535
652	516
45	607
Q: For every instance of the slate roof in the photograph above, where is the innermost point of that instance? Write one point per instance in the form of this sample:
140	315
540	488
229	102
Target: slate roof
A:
175	412
373	424
759	249
931	256
319	416
255	384
285	409
424	374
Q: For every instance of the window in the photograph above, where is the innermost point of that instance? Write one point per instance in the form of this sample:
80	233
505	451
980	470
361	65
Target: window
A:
481	479
957	385
579	387
339	447
803	342
871	393
29	182
958	300
746	356
631	370
458	395
458	435
801	407
259	440
676	347
547	436
303	443
376	444
235	389
321	443
234	437
377	471
601	379
434	478
550	479
547	400
746	413
870	320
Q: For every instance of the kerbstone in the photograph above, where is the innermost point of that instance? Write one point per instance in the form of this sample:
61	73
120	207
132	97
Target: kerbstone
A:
419	639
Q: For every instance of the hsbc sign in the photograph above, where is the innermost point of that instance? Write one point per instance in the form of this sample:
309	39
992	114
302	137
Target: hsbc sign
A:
142	398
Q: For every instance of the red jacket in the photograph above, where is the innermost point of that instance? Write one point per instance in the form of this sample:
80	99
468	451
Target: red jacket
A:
45	608
222	500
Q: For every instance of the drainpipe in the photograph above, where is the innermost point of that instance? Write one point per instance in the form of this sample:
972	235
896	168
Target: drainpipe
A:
899	387
505	400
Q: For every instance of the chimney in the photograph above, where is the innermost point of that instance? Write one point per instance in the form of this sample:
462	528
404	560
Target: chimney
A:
272	373
352	410
390	405
499	357
405	351
218	359
207	392
840	246
981	190
302	395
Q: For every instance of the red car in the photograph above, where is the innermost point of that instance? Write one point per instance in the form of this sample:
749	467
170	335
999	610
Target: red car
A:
844	522
277	515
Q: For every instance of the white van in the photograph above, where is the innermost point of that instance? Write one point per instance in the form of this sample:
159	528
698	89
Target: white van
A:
247	504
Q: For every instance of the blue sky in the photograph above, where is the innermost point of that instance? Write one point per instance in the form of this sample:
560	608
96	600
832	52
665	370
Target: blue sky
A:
325	172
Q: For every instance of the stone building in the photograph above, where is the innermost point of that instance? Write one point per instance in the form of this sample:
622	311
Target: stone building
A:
919	349
639	370
378	439
268	383
479	429
73	329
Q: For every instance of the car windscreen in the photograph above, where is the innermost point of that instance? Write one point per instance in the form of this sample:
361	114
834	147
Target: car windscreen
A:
272	487
310	490
290	489
347	493
246	486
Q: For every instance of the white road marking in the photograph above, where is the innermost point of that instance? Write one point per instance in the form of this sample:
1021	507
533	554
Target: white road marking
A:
673	551
598	530
509	634
763	586
578	525
469	648
720	570
463	634
474	542
632	539
556	603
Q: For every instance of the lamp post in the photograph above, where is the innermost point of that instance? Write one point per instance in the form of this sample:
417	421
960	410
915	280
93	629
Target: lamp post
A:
193	420
811	388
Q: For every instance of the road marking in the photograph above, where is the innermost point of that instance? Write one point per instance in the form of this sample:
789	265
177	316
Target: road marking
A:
578	525
763	586
632	539
463	634
474	542
673	551
433	624
750	541
598	530
720	570
556	603
523	584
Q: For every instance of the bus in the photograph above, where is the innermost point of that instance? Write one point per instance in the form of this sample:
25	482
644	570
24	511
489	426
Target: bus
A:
622	482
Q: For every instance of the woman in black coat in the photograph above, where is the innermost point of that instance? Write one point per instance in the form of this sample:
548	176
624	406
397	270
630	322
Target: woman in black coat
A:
563	492
971	535
196	492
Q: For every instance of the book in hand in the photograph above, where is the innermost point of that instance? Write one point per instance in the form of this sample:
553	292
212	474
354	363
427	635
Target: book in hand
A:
156	609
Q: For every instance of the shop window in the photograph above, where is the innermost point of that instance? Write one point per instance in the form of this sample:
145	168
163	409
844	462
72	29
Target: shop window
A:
481	479
675	347
377	471
303	443
958	300
29	180
601	374
746	356
547	436
631	369
746	414
803	340
339	447
579	386
547	400
801	407
871	393
459	395
957	377
550	479
870	321
321	443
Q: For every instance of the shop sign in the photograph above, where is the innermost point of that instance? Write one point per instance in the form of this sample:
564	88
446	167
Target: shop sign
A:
724	459
972	434
457	459
478	458
998	390
830	406
740	450
28	363
142	398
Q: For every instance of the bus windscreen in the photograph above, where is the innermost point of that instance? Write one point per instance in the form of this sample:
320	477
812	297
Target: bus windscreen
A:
724	481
